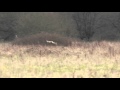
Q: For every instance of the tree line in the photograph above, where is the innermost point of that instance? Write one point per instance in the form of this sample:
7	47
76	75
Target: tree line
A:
84	23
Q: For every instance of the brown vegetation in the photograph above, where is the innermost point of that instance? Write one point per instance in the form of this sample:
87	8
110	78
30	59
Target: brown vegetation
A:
42	38
81	59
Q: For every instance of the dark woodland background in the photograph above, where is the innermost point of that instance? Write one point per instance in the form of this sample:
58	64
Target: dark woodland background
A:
87	26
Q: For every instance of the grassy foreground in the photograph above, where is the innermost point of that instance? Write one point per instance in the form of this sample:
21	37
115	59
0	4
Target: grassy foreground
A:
81	60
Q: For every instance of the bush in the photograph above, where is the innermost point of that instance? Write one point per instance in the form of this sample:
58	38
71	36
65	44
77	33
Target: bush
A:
40	39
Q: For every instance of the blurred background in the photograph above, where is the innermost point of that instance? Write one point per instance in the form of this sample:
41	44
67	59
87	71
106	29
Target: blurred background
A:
89	26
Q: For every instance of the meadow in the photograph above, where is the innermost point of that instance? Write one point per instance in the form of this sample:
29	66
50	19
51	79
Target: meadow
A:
79	60
48	45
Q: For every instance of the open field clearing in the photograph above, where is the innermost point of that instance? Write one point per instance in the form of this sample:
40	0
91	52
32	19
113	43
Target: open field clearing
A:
81	60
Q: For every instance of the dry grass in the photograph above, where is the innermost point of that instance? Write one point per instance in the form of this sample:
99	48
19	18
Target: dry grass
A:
41	38
81	60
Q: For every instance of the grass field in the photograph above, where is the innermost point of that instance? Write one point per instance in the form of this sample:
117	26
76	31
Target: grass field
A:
80	60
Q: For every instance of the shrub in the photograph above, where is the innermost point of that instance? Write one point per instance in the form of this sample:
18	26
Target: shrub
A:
40	39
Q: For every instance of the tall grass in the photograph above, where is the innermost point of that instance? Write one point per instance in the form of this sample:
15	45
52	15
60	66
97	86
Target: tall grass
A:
80	60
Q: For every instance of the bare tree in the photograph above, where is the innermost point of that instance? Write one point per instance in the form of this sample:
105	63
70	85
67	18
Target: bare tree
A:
7	24
85	24
116	23
113	22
